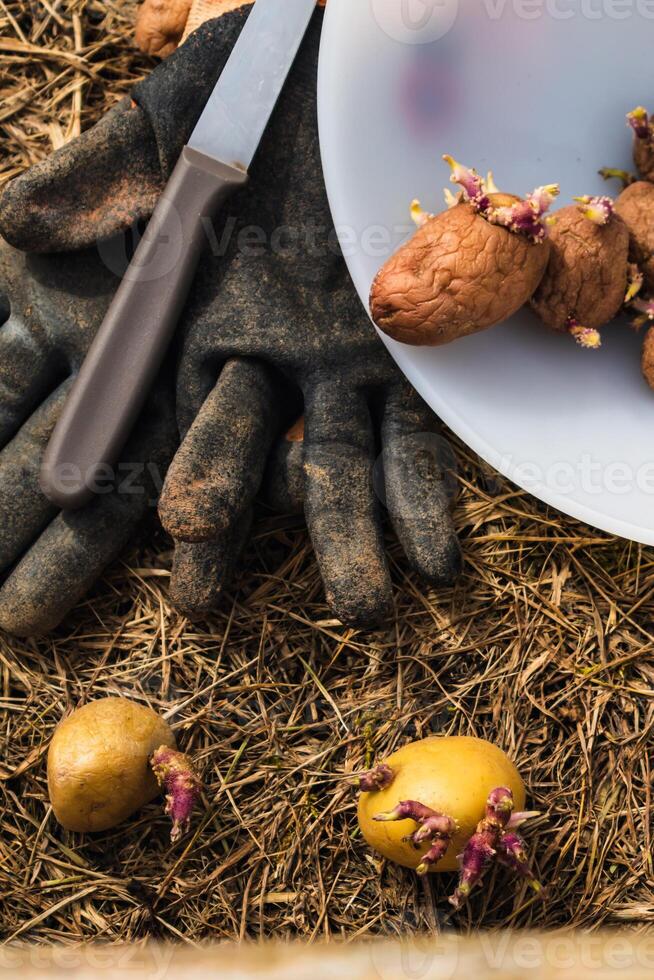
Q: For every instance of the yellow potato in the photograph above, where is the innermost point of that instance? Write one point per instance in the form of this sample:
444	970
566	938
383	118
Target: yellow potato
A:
98	769
450	774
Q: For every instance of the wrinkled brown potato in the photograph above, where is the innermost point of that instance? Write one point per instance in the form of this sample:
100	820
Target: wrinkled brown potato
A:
635	205
459	274
98	769
644	158
647	357
586	276
160	25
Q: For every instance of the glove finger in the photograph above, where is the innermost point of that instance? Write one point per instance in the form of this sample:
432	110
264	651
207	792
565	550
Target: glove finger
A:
91	188
416	460
218	470
196	377
202	571
62	565
340	505
283	483
76	546
24	510
28	368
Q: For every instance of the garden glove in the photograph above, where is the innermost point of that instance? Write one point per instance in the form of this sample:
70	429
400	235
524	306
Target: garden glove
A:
50	309
272	314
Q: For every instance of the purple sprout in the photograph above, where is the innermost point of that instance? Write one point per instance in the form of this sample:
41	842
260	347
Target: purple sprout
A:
434	827
493	840
599	210
586	337
645	307
522	217
527	217
639	121
471	183
407	810
378	778
511	852
438	850
176	775
477	856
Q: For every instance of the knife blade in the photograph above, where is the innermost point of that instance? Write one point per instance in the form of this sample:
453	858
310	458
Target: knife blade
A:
126	354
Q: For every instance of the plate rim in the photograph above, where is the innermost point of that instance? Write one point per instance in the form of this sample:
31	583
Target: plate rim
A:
596	519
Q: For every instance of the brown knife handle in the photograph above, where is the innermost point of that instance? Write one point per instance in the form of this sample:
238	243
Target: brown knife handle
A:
127	352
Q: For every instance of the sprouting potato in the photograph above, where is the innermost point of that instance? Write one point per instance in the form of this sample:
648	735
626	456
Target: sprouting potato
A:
444	803
586	281
467	268
643	129
108	759
635	205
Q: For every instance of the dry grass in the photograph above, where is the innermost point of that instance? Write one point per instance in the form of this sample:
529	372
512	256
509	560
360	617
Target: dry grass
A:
546	647
61	65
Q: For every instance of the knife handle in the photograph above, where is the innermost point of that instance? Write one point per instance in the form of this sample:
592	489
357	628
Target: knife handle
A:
127	352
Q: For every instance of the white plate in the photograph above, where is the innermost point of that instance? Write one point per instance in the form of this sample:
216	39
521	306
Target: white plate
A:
538	96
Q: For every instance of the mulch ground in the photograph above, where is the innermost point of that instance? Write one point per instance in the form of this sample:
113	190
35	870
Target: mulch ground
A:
545	646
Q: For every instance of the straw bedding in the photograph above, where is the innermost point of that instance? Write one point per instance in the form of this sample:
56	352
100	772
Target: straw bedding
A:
546	646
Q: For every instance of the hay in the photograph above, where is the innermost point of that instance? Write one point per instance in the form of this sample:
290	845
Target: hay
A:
545	647
61	66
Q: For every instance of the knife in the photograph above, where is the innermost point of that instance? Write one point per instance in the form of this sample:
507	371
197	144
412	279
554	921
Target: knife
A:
126	354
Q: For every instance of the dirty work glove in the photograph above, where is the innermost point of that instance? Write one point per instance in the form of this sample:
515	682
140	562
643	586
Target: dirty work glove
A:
50	308
272	314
